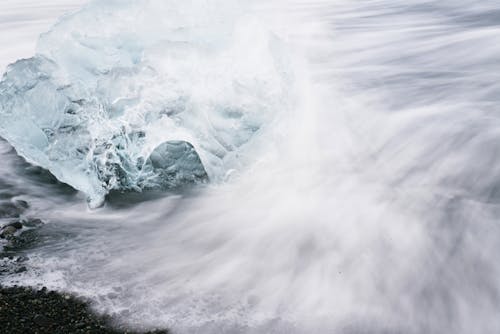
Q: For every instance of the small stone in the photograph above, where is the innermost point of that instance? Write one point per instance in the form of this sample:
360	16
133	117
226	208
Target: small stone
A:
41	320
18	225
7	232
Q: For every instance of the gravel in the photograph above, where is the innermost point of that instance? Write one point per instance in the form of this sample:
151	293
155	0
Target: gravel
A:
25	310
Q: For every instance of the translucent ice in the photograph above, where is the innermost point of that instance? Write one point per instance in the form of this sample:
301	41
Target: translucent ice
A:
192	81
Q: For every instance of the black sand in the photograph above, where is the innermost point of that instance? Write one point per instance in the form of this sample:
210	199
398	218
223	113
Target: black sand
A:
24	310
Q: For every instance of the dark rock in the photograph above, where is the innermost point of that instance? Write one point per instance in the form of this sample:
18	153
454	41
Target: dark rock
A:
7	232
21	242
18	225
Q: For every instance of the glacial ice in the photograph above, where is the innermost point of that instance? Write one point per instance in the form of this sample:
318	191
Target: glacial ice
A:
133	94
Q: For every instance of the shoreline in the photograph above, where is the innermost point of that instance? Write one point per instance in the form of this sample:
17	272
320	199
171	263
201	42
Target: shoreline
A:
39	310
27	310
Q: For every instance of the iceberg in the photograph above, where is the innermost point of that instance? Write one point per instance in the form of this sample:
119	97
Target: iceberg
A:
132	95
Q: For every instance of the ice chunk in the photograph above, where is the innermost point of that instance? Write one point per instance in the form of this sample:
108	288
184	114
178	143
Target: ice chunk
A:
136	94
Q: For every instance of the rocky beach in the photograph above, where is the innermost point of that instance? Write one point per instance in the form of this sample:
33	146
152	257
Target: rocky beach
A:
26	310
37	310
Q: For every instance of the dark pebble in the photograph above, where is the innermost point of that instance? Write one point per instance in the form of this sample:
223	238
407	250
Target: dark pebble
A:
7	232
18	225
41	320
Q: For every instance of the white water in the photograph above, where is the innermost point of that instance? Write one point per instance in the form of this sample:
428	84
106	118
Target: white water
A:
372	210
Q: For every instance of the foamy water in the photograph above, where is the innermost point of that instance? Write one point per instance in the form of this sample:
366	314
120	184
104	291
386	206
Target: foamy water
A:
369	207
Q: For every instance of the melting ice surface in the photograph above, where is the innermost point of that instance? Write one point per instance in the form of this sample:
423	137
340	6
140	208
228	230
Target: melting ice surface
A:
121	80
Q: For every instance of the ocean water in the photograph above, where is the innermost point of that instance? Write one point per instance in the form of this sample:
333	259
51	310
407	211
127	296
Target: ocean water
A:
370	206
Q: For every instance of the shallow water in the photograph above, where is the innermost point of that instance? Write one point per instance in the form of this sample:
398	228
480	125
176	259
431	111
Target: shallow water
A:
371	208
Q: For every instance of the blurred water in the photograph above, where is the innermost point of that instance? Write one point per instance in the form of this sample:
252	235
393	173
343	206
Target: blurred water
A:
373	209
